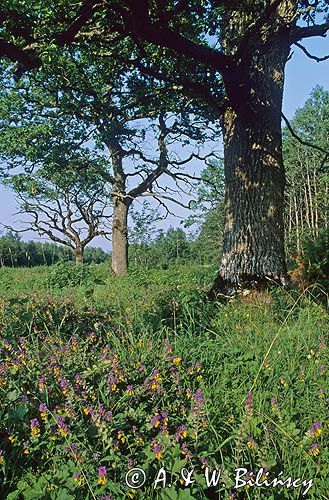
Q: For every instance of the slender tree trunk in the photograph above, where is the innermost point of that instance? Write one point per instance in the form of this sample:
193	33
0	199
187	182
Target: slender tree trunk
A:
309	188
78	256
316	202
297	225
120	236
308	218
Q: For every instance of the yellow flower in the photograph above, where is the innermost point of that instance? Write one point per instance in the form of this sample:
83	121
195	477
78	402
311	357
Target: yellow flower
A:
11	439
102	480
35	431
177	360
43	416
121	437
78	480
283	382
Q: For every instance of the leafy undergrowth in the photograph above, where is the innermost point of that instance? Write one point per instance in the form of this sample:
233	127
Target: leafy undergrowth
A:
87	394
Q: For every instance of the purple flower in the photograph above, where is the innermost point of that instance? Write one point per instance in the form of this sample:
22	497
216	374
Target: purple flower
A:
204	461
62	427
35	426
315	430
181	433
250	442
157	450
169	349
102	471
155	420
185	451
34	423
64	386
199	398
249	404
314	449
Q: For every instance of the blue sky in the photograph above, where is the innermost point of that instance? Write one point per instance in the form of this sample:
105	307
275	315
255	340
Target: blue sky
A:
302	75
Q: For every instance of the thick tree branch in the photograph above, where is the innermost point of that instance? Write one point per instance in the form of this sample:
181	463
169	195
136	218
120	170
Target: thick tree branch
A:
84	15
306	32
197	89
139	23
26	58
18	24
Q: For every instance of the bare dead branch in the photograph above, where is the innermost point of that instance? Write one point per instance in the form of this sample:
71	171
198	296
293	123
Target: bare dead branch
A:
315	58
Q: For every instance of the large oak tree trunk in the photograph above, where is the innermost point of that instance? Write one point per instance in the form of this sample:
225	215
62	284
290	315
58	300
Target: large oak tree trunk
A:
120	236
253	243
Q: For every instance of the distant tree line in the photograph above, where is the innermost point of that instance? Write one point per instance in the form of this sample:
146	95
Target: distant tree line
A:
17	253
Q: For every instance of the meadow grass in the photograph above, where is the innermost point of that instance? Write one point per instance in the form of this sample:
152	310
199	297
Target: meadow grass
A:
107	375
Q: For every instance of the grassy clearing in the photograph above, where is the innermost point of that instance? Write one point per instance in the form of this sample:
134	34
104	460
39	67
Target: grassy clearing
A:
142	372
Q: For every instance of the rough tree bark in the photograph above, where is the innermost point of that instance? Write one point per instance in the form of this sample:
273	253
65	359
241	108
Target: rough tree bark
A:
120	236
78	252
253	243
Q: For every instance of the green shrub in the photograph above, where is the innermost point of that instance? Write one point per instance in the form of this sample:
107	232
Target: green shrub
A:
67	274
